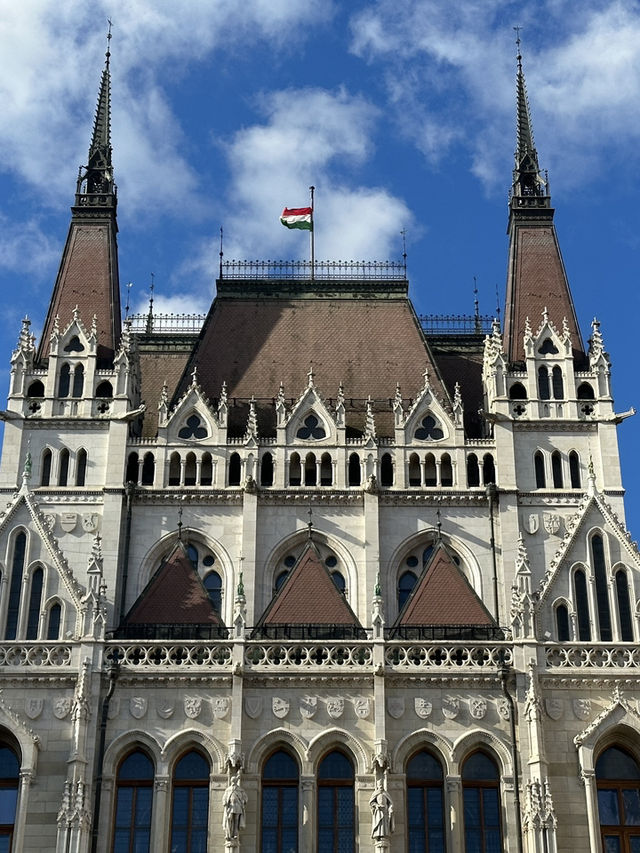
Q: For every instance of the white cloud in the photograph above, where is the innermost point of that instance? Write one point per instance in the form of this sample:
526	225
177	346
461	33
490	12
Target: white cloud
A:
25	248
185	303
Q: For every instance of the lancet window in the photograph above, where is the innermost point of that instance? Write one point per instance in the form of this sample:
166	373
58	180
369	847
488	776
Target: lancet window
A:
280	781
618	781
481	797
190	804
134	800
9	779
336	804
425	804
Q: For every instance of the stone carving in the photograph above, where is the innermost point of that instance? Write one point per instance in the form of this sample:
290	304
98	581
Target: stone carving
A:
362	707
502	707
335	707
137	707
477	707
532	705
166	710
582	708
552	522
234	803
253	706
382	817
533	523
554	708
49	519
192	706
221	705
395	706
68	521
450	707
308	706
33	707
280	707
61	707
90	522
423	707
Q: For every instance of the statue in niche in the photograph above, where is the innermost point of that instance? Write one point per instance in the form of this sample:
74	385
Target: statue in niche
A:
382	817
234	804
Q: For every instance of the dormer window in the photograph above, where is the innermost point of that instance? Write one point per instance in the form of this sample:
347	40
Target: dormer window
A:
74	345
548	347
311	429
429	430
193	428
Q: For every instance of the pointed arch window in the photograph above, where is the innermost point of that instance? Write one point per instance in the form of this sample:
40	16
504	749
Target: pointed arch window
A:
9	779
190	470
311	429
415	478
45	468
446	470
386	471
574	470
355	470
17	569
280	782
174	470
134	800
81	467
326	470
618	782
582	605
624	607
213	585
55	618
295	470
406	583
266	470
148	469
35	603
190	804
556	470
562	623
131	475
473	471
65	381
425	803
557	383
235	469
78	381
481	798
336	804
543	383
310	470
206	469
488	469
602	588
538	463
63	470
517	391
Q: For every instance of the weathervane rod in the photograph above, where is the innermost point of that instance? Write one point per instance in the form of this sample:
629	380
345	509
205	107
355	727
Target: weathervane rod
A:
312	237
221	252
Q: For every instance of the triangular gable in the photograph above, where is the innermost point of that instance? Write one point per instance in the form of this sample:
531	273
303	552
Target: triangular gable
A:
618	712
309	403
175	595
309	597
425	404
193	402
443	596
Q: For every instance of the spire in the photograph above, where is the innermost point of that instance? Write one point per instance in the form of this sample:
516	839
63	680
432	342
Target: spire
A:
536	277
88	273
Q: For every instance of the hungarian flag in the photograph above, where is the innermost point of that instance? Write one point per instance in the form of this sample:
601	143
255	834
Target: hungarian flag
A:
298	217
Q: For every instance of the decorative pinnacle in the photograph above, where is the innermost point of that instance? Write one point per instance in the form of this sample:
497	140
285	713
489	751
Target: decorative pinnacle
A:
310	376
377	590
281	398
310	522
26	471
180	523
99	171
223	394
340	400
240	588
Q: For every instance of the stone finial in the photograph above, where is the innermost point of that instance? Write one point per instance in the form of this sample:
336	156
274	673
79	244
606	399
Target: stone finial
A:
528	334
591	477
425	377
252	419
370	423
340	399
26	471
310	377
545	314
93	331
25	339
194	377
76	314
280	399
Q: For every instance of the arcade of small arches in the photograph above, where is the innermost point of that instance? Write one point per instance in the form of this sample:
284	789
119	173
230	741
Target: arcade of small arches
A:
564	469
63	467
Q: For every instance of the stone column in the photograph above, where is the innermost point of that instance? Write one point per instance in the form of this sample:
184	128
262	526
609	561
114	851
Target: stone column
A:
26	778
454	801
307	813
160	817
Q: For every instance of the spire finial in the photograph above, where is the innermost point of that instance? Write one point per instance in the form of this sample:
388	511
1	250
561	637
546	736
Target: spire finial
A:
527	176
180	523
149	327
127	306
438	524
310	522
108	53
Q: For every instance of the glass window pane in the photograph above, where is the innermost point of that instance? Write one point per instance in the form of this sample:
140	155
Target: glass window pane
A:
335	766
289	799
472	841
280	766
615	763
612	844
9	765
199	806
436	841
434	807
192	766
479	767
8	800
631	800
136	766
344	807
490	807
124	808
634	844
608	807
424	766
471	807
269	807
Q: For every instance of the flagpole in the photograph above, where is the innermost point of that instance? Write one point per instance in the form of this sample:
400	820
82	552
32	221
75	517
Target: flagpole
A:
312	237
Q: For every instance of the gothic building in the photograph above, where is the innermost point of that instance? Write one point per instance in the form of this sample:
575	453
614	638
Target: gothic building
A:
321	574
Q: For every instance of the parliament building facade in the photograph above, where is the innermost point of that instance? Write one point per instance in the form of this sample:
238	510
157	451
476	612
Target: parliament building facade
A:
315	573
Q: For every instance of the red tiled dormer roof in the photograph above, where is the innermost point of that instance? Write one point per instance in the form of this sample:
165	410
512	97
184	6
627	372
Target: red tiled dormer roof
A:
443	596
175	595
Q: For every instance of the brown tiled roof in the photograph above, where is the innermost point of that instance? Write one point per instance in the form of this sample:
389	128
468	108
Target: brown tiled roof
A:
309	597
536	280
461	361
175	595
443	596
88	278
255	340
159	364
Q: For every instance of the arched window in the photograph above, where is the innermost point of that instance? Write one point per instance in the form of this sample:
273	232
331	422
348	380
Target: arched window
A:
190	806
446	470
386	471
548	347
618	780
131	475
53	626
206	469
556	470
235	469
266	470
148	469
326	470
213	585
425	803
406	583
481	796
310	471
35	602
430	477
295	470
336	804
562	623
488	469
338	579
9	778
81	467
36	389
355	471
543	383
582	605
574	470
538	462
134	799
585	391
517	391
473	471
105	390
312	429
602	588
190	470
63	470
74	345
415	478
281	578
17	568
174	469
624	608
279	831
45	468
557	383
65	381
78	381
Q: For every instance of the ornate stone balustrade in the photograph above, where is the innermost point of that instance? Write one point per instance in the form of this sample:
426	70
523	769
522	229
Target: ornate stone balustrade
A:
152	655
305	655
409	656
35	654
592	657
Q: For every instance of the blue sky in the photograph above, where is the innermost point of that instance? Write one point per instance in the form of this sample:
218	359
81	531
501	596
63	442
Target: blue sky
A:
401	115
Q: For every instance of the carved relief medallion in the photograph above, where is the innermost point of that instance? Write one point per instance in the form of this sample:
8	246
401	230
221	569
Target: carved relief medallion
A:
137	707
533	523
552	522
582	708
477	707
362	707
68	521
395	706
280	707
33	707
423	708
502	706
221	705
165	710
90	522
253	706
193	706
61	707
335	707
308	706
450	707
49	519
554	708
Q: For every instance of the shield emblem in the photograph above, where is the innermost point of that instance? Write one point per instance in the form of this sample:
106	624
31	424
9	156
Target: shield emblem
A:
503	708
68	521
221	705
165	710
137	707
33	708
423	708
552	522
279	706
49	519
553	707
308	706
395	707
61	707
335	707
533	523
253	706
192	706
582	708
477	707
90	521
362	707
450	707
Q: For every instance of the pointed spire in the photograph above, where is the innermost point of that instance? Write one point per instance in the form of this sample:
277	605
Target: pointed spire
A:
99	170
527	180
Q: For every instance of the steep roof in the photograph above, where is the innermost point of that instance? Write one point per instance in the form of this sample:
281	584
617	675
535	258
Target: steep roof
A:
364	335
175	595
309	597
443	596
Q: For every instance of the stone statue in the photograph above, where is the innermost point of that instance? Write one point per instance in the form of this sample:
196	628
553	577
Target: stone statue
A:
382	818
233	803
